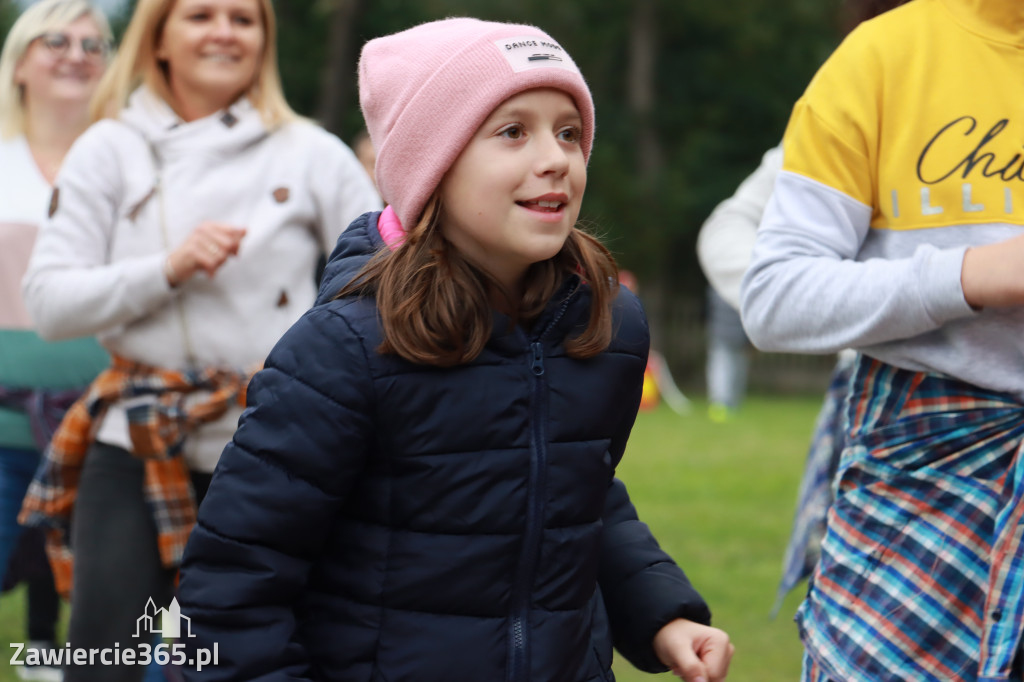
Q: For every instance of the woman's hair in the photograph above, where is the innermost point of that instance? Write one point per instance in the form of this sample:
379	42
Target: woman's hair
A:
136	63
40	18
435	306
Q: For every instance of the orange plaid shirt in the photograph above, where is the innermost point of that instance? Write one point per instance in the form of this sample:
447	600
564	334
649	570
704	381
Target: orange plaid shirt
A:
182	401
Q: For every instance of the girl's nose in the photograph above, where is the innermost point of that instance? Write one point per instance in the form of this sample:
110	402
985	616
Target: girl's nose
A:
552	157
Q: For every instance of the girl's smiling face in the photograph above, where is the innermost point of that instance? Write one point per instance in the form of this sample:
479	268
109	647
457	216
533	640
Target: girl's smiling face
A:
212	50
514	193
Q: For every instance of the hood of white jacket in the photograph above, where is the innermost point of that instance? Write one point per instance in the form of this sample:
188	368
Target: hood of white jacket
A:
225	133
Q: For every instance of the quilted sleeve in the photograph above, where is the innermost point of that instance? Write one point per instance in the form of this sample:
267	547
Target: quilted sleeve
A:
298	450
642	586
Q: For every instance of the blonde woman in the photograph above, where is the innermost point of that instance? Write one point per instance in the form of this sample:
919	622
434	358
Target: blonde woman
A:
185	231
51	63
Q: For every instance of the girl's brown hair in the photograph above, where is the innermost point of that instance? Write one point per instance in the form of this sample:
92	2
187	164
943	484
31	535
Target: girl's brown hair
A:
435	306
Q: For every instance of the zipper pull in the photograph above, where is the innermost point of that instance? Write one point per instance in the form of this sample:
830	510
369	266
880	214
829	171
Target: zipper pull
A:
537	364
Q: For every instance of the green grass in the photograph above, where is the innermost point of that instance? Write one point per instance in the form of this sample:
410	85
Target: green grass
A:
720	499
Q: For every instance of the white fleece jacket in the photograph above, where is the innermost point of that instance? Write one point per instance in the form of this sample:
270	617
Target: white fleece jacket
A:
97	267
727	237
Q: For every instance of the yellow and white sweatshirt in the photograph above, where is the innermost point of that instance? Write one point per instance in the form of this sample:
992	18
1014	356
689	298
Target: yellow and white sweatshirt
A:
906	149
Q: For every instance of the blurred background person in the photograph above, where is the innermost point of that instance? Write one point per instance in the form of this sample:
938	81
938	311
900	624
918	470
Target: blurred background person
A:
728	358
184	233
51	62
726	239
724	244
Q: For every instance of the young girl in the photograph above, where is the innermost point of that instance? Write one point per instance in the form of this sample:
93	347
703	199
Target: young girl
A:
895	229
423	485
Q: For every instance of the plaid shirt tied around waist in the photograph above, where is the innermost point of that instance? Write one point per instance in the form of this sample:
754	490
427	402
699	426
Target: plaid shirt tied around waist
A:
815	494
922	565
181	402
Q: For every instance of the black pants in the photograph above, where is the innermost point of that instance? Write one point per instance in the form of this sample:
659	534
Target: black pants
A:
43	601
117	562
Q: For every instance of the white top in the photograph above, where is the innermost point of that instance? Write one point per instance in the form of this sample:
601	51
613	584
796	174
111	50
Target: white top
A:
24	197
24	192
98	264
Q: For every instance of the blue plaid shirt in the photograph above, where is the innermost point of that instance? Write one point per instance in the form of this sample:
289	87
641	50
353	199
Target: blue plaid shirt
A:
922	566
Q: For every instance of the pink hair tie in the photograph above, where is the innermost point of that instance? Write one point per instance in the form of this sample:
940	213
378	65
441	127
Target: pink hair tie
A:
390	228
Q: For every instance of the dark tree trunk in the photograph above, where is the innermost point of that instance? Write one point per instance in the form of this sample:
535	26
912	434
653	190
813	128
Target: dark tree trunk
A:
338	80
642	91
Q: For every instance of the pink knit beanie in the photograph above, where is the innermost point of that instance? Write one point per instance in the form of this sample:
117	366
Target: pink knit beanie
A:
425	91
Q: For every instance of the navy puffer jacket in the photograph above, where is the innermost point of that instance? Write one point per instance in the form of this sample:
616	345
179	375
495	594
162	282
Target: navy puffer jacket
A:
376	520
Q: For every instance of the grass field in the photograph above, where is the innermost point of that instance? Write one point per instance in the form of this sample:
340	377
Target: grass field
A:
720	498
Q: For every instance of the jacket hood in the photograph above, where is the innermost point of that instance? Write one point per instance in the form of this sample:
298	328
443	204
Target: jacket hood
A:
225	133
354	249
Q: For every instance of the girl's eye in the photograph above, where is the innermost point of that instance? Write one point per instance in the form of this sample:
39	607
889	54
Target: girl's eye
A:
244	20
571	134
198	16
512	132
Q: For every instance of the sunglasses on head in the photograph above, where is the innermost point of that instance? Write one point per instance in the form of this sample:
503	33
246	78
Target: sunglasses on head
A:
60	43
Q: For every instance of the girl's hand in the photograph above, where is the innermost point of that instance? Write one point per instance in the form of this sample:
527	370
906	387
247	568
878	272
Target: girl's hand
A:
206	249
694	652
991	275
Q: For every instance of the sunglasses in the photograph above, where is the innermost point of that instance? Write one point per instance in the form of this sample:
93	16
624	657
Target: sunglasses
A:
60	43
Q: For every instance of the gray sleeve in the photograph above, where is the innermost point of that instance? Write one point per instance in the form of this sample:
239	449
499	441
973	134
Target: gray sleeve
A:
805	290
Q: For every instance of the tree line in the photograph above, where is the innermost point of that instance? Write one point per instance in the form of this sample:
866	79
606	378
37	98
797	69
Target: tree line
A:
688	97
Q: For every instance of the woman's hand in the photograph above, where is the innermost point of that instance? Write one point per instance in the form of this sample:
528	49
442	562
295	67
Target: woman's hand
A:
694	652
206	249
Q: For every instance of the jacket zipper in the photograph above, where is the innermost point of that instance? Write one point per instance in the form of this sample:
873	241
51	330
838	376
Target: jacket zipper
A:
519	641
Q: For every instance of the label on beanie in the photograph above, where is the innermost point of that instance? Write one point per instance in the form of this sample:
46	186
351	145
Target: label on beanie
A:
531	52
